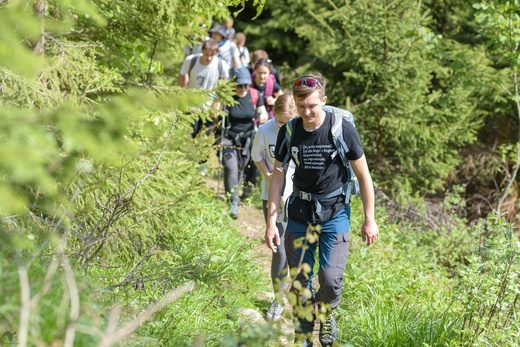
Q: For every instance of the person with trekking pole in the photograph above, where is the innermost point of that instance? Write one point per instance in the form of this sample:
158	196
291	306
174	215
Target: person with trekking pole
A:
263	157
236	139
220	154
323	147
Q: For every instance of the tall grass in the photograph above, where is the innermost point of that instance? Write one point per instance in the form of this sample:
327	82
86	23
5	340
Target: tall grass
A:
173	272
456	286
160	265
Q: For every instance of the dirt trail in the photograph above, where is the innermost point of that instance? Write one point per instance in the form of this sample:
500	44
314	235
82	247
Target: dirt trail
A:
251	224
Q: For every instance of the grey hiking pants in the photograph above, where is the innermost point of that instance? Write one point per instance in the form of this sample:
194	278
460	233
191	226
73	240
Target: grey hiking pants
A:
234	162
279	260
333	254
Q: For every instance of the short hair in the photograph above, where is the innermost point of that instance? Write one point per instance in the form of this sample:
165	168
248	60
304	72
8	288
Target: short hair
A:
239	38
285	104
210	44
259	54
304	91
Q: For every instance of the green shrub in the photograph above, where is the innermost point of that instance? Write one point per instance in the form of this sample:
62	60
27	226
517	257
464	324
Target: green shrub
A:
489	288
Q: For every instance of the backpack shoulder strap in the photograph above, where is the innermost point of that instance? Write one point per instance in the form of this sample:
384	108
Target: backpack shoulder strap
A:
287	141
269	85
193	61
254	96
220	68
352	186
337	138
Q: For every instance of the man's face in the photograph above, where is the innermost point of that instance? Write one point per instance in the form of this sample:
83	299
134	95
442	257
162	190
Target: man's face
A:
310	108
209	53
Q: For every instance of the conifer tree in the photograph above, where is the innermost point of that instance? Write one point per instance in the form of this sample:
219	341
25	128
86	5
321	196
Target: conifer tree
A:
412	107
499	24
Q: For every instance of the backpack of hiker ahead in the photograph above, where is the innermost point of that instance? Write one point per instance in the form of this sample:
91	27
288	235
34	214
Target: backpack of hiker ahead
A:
338	142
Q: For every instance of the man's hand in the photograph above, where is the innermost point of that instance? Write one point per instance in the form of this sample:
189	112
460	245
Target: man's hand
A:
262	118
369	232
271	234
270	100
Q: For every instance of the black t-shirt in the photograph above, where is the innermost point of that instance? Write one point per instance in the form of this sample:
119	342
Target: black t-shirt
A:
317	172
276	74
241	115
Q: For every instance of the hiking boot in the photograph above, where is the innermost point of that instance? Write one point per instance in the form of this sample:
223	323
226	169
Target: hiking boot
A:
233	209
302	343
274	313
328	330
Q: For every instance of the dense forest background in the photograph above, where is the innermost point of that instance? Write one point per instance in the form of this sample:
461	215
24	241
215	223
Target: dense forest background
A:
433	86
110	236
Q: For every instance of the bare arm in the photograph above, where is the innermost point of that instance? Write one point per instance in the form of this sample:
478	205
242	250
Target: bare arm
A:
278	93
262	114
264	169
272	238
183	81
236	62
369	230
270	100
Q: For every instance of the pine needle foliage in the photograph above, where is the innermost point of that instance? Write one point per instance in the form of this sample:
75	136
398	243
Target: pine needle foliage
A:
412	125
104	219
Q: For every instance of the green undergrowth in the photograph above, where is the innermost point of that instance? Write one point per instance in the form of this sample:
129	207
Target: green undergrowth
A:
199	246
144	255
157	262
452	286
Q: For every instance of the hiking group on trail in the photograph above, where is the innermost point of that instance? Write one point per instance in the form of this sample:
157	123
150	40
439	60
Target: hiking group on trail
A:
309	155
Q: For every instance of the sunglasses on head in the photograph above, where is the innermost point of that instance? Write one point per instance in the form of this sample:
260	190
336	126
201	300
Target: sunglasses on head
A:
263	62
309	82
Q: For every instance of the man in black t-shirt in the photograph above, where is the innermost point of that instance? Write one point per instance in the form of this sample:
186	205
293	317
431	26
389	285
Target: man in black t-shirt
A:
319	210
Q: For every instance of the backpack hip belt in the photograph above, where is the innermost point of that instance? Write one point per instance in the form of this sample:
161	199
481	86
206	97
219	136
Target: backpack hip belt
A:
237	137
345	189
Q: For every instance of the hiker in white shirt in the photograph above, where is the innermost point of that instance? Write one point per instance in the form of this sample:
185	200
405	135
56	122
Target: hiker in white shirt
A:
203	71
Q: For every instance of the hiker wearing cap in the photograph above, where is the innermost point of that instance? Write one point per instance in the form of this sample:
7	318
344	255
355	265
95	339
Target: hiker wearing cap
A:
203	71
227	50
238	131
263	157
319	208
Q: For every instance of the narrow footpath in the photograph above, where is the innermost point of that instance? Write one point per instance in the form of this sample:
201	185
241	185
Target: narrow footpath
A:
252	225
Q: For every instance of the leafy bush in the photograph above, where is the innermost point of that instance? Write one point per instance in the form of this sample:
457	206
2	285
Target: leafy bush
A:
489	289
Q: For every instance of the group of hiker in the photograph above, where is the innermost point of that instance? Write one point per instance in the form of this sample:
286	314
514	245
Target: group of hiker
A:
307	152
